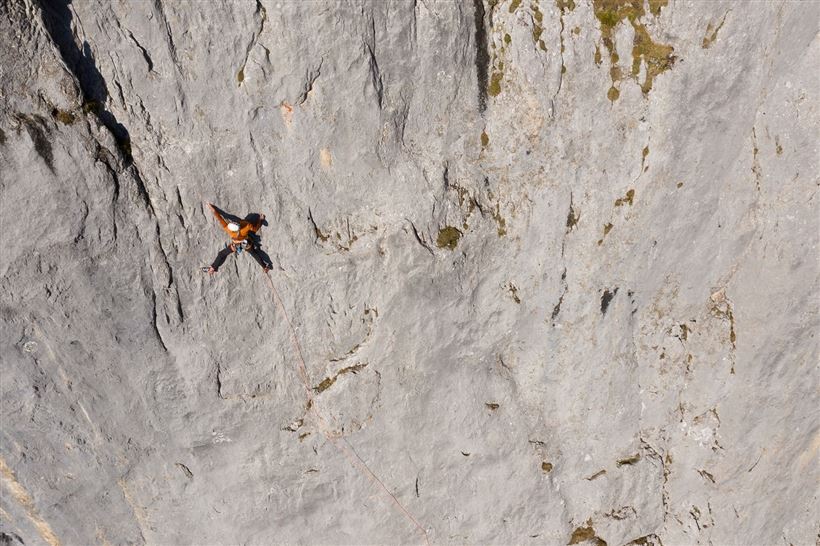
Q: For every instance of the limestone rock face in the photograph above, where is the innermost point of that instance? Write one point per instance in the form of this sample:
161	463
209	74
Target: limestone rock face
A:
552	267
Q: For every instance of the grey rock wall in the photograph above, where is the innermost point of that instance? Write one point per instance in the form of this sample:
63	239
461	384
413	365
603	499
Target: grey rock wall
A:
553	268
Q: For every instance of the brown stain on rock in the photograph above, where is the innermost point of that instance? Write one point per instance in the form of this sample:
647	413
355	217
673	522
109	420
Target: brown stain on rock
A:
646	540
627	199
500	221
586	533
607	228
514	293
326	158
721	307
573	216
23	498
629	461
287	113
63	116
711	33
329	381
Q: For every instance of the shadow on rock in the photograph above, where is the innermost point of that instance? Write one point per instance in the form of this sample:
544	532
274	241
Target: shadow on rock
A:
80	61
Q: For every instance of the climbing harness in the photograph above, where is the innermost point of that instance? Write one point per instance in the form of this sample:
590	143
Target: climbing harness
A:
339	442
239	246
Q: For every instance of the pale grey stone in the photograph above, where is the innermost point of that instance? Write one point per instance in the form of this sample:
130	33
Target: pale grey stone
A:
538	315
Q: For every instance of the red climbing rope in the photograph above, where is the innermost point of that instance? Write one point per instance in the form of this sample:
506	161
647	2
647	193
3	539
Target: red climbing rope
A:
344	448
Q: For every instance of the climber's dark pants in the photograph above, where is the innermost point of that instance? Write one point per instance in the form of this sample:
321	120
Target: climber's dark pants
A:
260	257
220	258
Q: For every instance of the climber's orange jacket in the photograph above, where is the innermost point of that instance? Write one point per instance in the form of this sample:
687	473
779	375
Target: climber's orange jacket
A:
245	227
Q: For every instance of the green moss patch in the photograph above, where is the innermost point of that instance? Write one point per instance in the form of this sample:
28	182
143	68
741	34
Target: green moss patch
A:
656	5
565	5
494	89
496	68
657	58
613	94
538	25
448	237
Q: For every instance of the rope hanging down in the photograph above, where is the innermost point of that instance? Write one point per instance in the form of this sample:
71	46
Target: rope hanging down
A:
339	442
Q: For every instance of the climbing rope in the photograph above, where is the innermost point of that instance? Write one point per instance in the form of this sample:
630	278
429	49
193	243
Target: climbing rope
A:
344	446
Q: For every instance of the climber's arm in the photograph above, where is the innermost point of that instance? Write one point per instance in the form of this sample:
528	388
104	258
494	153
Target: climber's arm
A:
219	217
251	227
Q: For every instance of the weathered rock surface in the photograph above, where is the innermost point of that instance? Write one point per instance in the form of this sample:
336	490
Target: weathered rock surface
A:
553	266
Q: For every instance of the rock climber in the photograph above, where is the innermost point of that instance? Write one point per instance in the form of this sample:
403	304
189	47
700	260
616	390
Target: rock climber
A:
243	238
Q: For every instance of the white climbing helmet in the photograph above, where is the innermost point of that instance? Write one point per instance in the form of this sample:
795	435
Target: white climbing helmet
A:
233	227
